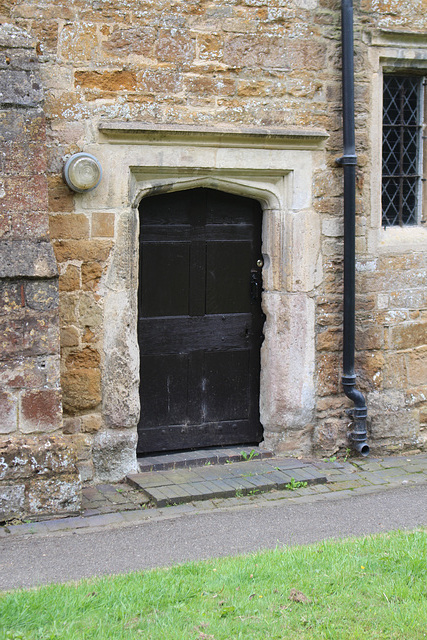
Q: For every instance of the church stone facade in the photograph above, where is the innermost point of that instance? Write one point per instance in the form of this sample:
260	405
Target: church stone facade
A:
240	96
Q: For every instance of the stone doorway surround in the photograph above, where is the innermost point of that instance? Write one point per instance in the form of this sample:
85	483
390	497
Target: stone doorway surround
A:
276	168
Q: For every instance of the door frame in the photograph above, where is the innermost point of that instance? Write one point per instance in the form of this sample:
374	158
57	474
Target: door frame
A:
277	170
289	324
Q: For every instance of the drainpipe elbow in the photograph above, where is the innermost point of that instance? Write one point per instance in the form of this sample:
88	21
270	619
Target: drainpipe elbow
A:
358	437
349	386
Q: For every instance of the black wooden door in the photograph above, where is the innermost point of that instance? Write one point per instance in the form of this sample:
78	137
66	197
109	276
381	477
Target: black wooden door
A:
200	320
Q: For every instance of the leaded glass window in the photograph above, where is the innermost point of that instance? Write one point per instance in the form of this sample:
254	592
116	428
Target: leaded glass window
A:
402	150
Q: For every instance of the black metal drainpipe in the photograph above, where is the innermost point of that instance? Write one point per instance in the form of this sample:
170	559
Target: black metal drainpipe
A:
348	161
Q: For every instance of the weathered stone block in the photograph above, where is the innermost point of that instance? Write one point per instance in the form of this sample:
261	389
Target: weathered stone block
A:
295	442
103	225
78	42
85	250
106	80
29	335
21	457
395	371
87	358
20	258
90	312
330	339
370	368
289	361
82	446
416	396
20	156
12	501
114	455
69	279
47	35
68	308
30	225
55	495
32	373
331	435
40	333
13	37
121	404
40	411
91	275
10	297
131	41
20	88
174	46
200	85
10	338
69	226
81	389
71	426
86	470
23	194
369	337
255	51
91	423
8	412
408	336
69	337
328	374
60	197
41	295
210	46
391	418
416	362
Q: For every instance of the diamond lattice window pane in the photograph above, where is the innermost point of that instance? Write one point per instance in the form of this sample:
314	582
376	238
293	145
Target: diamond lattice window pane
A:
401	150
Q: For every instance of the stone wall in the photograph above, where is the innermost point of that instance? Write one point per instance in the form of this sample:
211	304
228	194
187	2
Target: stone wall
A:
37	473
232	63
391	268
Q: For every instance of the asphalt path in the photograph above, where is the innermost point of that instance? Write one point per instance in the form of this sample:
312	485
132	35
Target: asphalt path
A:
29	561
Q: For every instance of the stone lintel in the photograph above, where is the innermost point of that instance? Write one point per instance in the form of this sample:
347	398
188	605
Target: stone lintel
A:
249	137
401	38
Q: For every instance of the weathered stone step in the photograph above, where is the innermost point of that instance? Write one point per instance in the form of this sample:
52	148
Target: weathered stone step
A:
201	457
164	488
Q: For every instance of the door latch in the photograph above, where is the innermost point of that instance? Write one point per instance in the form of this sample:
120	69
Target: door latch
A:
255	286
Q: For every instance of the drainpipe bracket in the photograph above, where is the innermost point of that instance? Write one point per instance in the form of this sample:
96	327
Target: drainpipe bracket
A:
357	413
346	159
360	413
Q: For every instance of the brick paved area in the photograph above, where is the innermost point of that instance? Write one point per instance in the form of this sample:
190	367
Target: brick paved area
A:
109	505
236	479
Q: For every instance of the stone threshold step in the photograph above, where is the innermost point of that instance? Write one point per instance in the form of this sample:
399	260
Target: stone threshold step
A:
201	457
233	480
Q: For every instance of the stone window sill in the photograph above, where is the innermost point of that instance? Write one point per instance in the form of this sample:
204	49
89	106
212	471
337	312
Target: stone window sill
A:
402	239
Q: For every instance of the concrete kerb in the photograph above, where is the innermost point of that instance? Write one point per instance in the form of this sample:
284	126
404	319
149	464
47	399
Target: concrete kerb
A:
355	477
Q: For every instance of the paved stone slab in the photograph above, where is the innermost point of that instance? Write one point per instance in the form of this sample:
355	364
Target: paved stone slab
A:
280	478
211	482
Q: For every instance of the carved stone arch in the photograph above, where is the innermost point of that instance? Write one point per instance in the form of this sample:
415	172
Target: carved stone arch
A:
267	196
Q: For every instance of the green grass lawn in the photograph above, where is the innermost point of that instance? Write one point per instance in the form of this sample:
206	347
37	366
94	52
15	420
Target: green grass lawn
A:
374	587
